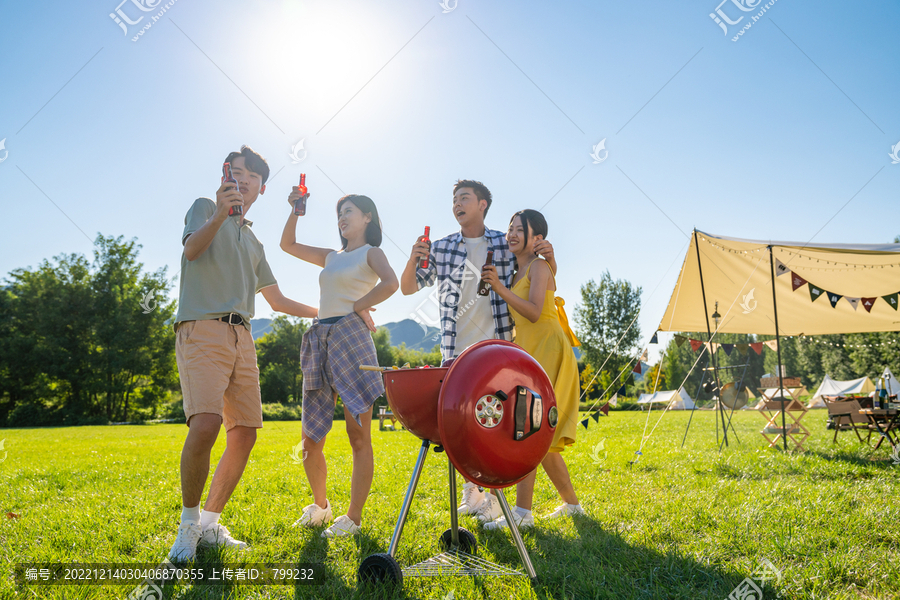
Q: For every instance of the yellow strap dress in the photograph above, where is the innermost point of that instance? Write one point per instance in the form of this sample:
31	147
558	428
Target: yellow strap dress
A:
550	345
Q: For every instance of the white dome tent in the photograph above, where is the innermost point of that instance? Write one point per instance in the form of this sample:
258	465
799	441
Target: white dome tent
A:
890	382
674	399
832	387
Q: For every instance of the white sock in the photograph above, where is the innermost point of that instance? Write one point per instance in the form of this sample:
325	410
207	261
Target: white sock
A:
523	512
468	484
190	514
208	519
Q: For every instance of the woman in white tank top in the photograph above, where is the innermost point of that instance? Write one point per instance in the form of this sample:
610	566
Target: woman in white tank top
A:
352	281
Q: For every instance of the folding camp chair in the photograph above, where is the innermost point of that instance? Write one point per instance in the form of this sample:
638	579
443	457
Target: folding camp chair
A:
845	416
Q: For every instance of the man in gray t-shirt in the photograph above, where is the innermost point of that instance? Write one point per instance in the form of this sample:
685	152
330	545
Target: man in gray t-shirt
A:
223	267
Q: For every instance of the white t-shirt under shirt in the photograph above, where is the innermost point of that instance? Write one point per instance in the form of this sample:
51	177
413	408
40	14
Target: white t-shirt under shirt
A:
475	320
346	278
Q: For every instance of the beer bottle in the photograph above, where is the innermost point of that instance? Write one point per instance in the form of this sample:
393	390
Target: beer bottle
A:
423	262
300	204
228	177
483	286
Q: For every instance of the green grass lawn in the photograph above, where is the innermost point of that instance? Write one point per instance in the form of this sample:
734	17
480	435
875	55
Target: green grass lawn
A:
681	523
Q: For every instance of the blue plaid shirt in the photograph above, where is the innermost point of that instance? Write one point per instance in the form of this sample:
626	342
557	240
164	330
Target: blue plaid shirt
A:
447	265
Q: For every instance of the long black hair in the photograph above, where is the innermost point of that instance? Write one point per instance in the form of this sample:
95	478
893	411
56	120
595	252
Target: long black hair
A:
531	219
367	206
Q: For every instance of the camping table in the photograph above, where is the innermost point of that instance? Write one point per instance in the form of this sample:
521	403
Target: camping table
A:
795	431
886	417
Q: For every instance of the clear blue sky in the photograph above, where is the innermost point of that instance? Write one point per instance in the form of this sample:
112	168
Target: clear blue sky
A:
767	137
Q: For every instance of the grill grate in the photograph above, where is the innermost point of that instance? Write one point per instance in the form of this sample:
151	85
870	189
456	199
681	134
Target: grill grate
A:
457	562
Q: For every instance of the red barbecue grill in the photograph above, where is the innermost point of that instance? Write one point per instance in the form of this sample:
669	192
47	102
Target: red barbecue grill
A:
492	410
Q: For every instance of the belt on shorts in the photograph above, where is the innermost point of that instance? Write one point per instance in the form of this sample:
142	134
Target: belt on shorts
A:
232	319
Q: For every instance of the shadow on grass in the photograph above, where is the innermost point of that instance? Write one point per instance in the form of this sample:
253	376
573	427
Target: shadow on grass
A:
864	456
315	550
212	559
601	564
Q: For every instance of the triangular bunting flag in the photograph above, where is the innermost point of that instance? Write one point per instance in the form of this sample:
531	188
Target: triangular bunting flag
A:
728	348
585	423
833	298
854	302
679	340
772	344
621	392
797	281
637	368
780	268
868	303
696	345
614	401
596	416
892	300
654	339
757	347
815	292
743	349
604	409
645	354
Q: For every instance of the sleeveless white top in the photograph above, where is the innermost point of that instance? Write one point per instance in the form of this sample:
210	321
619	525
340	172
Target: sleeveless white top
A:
346	278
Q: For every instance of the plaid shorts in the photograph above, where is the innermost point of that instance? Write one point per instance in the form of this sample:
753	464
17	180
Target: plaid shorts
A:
330	356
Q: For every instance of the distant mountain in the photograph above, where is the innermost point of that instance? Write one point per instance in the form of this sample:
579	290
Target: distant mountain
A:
406	331
413	335
260	327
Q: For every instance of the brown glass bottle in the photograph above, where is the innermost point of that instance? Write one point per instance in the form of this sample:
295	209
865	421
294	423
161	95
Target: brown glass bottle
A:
483	286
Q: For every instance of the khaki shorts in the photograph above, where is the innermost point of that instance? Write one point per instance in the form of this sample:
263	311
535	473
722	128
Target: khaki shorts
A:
217	367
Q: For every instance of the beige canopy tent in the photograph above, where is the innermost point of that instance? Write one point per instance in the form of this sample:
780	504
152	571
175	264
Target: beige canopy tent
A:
733	279
738	275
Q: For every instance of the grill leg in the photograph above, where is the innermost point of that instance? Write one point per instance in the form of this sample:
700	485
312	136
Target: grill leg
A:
517	538
407	501
454	518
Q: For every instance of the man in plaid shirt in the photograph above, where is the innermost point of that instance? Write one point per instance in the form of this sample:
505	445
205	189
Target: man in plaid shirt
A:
454	263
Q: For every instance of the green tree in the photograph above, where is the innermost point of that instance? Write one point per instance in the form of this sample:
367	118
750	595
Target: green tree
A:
78	346
678	362
132	323
397	356
606	311
383	349
278	356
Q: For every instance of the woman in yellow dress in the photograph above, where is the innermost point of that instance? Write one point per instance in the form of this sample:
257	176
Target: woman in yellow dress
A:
543	331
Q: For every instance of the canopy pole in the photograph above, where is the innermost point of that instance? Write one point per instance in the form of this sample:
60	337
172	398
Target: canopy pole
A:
778	349
697	395
710	349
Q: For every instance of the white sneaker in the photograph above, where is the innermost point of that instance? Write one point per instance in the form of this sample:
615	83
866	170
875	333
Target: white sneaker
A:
218	535
342	526
489	509
566	510
314	515
185	546
523	521
473	498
